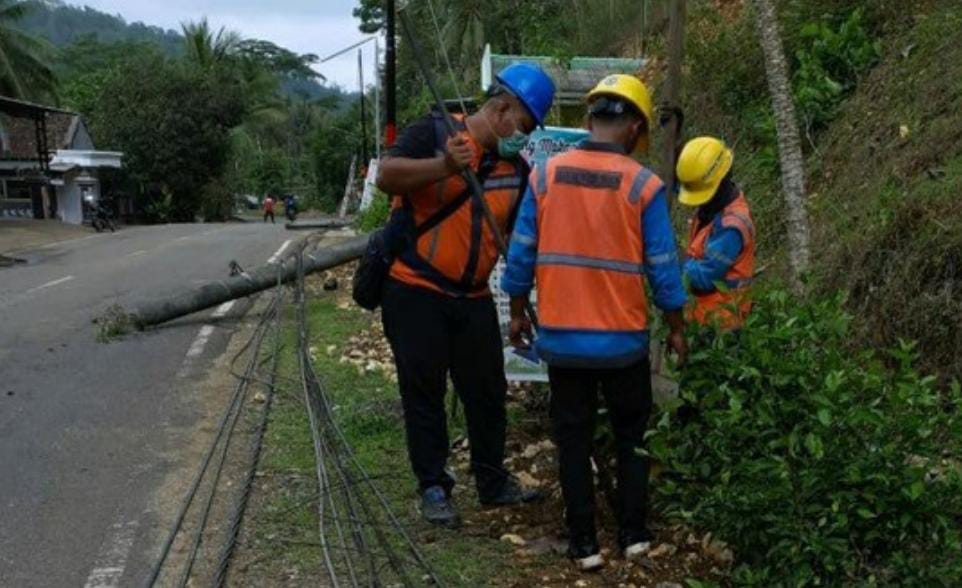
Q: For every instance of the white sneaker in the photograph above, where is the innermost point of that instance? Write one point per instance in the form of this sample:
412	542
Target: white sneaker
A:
636	550
590	563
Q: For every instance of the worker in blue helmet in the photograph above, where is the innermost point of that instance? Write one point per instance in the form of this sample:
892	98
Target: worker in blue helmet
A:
437	310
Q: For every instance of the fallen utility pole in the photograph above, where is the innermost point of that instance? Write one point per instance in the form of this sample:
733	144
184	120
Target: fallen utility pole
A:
259	279
338	223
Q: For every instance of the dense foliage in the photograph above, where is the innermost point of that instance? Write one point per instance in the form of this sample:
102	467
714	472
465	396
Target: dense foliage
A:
25	72
817	463
203	115
225	116
171	156
64	24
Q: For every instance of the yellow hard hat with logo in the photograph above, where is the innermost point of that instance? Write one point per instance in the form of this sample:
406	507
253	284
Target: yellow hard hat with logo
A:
702	165
632	90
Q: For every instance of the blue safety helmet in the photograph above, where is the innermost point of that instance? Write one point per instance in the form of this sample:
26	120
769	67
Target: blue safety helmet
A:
531	85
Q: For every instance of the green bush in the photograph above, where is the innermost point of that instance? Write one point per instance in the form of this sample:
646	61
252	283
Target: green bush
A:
829	65
376	214
818	464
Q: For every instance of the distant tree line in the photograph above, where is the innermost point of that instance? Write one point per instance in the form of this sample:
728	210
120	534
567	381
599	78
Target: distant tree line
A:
202	115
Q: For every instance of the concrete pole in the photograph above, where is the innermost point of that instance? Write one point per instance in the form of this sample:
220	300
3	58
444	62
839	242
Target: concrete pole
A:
191	300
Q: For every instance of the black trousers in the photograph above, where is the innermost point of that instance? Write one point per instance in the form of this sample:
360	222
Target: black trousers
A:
269	214
433	335
574	404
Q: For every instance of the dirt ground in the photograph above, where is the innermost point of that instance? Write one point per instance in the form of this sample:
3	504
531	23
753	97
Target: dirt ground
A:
21	235
537	531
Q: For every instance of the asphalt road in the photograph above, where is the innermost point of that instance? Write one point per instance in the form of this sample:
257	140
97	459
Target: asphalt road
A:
87	429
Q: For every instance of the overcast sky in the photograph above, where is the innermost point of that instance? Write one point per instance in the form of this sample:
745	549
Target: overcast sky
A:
305	26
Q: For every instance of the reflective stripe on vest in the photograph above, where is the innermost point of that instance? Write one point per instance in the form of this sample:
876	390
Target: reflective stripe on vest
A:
729	308
590	264
458	255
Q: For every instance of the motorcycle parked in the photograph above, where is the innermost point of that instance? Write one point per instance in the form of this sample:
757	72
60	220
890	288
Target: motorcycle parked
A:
100	215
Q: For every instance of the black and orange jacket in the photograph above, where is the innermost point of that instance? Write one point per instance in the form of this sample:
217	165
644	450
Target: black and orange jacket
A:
457	256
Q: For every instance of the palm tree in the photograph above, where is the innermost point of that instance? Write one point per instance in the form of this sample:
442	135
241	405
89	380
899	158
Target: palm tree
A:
23	71
207	48
789	143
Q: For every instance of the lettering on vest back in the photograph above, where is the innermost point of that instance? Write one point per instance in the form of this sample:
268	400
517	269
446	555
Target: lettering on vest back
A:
587	178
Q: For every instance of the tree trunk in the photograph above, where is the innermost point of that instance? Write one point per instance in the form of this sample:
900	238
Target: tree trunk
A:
789	143
672	97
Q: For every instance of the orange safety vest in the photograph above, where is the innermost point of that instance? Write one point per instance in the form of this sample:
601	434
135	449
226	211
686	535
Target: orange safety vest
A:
456	257
729	307
590	265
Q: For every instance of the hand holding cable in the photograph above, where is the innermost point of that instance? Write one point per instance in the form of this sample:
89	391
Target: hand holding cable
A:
459	155
467	173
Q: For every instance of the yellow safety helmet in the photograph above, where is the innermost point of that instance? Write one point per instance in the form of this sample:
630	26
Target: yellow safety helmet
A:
633	91
702	165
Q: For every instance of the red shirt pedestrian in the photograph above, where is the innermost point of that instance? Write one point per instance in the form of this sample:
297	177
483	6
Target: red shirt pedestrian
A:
269	208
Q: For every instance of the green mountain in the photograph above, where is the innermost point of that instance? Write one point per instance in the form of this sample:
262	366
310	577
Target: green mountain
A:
65	24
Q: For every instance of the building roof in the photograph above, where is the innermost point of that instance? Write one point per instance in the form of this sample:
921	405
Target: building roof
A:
18	135
21	108
573	79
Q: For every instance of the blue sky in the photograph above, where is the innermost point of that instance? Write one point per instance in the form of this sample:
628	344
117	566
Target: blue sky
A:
305	26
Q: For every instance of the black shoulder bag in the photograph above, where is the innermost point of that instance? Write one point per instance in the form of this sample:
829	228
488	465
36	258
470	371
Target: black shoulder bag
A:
387	243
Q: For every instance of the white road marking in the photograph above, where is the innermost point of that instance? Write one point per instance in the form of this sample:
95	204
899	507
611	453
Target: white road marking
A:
113	556
197	347
223	309
277	256
136	253
49	284
184	238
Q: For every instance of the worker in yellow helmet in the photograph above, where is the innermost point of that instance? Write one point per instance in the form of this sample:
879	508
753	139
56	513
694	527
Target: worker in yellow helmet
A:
592	229
721	242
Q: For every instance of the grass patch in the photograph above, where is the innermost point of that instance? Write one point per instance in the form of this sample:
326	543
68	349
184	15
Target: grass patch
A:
367	406
113	324
885	199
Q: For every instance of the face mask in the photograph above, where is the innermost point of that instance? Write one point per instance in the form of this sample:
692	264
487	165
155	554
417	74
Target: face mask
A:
510	147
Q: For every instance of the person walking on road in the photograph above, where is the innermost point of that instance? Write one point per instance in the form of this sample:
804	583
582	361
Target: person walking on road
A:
720	260
269	208
593	225
437	310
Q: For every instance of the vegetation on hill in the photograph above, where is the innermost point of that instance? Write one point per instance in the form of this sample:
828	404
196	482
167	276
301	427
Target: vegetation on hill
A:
24	59
63	24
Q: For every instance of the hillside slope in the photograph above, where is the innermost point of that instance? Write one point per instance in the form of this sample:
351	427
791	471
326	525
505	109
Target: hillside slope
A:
886	188
63	24
884	166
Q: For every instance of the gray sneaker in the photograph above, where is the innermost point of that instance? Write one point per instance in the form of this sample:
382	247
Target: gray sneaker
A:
437	509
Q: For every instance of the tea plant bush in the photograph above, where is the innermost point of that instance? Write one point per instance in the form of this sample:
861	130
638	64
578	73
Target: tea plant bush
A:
818	464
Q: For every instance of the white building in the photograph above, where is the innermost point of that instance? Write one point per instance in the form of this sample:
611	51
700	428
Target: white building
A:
47	162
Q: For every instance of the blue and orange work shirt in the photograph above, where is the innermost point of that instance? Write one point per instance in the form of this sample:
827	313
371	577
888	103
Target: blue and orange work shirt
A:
603	177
